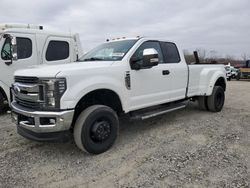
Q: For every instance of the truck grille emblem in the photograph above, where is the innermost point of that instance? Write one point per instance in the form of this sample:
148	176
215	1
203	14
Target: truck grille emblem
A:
16	88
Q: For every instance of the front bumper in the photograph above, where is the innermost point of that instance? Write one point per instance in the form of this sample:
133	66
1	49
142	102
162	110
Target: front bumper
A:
61	136
41	121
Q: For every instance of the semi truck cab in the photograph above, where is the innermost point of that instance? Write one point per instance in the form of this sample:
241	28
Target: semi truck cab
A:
25	45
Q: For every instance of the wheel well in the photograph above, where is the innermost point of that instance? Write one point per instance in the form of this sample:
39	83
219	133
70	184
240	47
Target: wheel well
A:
221	82
3	93
100	96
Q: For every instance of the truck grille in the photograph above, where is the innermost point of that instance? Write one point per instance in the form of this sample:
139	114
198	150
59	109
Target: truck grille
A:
28	104
28	92
24	79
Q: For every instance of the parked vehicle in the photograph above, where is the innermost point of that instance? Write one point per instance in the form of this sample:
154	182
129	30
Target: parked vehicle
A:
139	77
24	45
234	72
244	73
228	72
231	72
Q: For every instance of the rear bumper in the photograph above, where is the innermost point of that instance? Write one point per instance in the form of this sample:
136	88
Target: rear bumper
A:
41	121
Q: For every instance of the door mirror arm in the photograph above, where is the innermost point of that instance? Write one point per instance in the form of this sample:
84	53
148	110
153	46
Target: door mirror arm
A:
8	62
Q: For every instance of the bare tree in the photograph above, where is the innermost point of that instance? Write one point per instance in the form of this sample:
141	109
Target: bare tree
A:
244	56
213	54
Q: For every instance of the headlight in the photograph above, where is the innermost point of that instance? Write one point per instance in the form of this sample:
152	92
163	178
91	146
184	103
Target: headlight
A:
54	88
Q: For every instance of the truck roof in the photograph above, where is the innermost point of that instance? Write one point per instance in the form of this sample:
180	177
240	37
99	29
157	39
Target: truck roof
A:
36	31
139	38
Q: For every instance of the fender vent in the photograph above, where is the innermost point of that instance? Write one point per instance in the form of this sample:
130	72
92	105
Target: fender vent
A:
127	80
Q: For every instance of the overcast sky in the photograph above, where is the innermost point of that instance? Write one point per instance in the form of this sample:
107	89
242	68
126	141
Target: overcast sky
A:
219	26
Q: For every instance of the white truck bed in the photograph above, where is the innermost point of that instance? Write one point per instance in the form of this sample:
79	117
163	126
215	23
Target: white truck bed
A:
202	78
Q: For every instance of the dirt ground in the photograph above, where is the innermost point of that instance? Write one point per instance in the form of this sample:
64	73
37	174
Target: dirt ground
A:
186	148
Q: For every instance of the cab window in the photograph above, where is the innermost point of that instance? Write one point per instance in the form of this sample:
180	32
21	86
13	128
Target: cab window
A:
24	48
57	50
149	44
170	52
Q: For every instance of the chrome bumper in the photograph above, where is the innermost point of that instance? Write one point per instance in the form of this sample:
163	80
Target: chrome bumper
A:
31	119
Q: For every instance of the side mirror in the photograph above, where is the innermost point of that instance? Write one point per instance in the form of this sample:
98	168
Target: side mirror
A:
150	58
11	54
14	49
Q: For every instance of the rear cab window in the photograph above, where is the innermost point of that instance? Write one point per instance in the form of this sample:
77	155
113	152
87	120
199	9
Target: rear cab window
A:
170	52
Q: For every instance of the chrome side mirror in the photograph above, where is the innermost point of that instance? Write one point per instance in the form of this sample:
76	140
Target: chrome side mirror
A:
150	58
14	49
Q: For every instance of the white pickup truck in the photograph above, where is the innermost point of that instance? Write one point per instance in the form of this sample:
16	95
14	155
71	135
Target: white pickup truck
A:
139	77
31	45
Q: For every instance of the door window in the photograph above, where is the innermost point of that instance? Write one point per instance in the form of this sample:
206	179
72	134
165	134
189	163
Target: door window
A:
6	50
149	44
57	50
24	48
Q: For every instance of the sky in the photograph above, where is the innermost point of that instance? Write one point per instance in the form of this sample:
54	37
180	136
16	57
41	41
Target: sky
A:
220	27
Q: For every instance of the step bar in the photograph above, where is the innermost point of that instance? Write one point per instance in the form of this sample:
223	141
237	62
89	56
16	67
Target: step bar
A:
140	115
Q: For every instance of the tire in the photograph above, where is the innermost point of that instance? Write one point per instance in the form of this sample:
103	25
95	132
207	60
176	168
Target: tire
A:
216	101
202	102
238	76
229	79
2	105
96	129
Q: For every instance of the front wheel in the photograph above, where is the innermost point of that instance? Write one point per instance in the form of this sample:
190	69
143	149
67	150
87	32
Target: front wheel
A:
2	105
216	101
96	129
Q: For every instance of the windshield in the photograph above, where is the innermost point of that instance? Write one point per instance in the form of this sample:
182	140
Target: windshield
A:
227	68
111	51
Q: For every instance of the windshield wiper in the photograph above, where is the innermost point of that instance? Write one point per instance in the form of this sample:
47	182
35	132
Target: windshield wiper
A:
93	59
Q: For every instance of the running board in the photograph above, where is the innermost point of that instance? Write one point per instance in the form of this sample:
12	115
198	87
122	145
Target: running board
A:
156	111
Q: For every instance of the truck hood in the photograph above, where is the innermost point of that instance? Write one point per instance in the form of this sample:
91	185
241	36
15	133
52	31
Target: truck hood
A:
52	70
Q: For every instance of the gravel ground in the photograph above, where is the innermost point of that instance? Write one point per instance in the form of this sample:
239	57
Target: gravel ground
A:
186	148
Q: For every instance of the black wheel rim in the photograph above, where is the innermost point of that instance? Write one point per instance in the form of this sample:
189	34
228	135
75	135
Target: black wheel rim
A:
100	130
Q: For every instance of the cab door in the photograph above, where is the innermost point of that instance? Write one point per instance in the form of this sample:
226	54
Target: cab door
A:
150	86
178	71
26	56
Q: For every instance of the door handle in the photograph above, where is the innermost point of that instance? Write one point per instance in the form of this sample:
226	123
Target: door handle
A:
165	72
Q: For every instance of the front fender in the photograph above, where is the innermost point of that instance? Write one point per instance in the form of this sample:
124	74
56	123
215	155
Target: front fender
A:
80	88
5	89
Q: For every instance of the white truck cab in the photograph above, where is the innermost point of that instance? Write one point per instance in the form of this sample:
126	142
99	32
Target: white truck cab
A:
25	45
138	77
